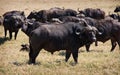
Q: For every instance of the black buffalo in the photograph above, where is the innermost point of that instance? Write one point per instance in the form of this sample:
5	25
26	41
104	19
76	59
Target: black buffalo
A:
109	29
66	36
47	15
93	13
12	22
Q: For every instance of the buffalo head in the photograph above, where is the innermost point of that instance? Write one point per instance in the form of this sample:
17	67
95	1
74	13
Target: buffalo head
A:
86	31
33	14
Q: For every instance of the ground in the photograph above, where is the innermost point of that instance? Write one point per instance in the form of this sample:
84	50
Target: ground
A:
100	61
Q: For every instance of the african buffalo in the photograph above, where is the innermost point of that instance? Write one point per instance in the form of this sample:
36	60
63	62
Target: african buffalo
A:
12	22
47	15
93	13
109	29
66	36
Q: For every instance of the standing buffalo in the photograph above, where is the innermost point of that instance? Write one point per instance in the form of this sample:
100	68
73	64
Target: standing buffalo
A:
93	13
13	21
109	29
66	36
47	15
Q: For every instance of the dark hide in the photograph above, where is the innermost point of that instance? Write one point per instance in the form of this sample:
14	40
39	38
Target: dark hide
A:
69	19
93	13
67	36
12	22
47	15
109	29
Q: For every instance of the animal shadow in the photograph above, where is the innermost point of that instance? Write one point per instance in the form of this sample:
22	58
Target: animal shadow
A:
2	40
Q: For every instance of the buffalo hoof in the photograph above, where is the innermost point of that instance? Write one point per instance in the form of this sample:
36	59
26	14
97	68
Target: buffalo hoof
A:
88	51
31	62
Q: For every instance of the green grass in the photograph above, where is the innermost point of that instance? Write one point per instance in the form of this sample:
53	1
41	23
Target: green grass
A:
100	61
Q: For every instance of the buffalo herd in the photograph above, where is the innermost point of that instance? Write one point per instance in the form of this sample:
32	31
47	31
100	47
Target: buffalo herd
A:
63	29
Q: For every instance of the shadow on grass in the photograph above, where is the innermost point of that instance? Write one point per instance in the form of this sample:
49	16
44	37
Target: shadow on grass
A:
2	40
24	63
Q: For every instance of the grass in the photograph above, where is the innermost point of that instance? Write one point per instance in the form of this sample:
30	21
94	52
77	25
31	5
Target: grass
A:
100	61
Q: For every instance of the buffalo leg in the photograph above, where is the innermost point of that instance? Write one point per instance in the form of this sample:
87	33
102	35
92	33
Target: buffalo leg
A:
68	53
113	42
96	43
87	47
16	34
5	32
32	55
10	34
75	56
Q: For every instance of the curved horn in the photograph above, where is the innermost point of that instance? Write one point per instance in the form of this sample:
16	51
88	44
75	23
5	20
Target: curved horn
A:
83	20
96	30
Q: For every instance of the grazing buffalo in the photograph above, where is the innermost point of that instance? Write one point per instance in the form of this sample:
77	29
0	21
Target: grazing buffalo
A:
66	36
117	9
109	29
12	22
47	15
93	13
